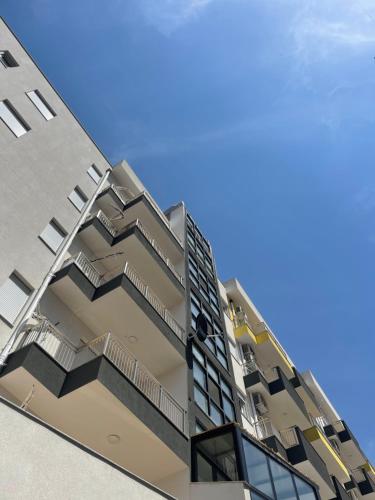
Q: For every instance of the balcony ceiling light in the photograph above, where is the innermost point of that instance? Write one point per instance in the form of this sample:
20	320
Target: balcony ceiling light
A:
132	339
113	438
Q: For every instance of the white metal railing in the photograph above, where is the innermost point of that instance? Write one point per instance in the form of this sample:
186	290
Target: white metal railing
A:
106	223
320	421
251	366
88	269
289	437
65	353
115	232
166	222
98	279
138	374
52	341
264	428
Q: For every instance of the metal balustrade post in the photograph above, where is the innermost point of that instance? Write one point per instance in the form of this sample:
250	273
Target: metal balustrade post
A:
135	371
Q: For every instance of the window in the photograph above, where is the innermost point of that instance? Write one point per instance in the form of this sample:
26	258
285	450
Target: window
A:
13	296
305	491
94	173
211	392
257	468
283	482
6	60
12	119
37	99
78	198
53	235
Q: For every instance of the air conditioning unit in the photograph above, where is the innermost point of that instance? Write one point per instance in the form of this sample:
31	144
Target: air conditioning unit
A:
259	403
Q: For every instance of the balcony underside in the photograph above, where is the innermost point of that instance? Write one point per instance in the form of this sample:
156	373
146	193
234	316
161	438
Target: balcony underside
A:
334	463
93	402
140	208
118	307
138	251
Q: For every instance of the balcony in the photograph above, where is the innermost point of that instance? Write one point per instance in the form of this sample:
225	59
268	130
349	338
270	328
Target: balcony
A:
270	436
101	395
364	480
336	467
142	207
350	448
124	305
103	238
305	394
304	458
281	401
271	350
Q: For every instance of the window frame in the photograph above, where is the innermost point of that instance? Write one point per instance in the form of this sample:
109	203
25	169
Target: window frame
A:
57	226
17	117
94	168
17	280
44	103
7	60
81	195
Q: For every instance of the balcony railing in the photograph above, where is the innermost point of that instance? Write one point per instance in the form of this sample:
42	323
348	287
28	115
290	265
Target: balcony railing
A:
115	232
264	428
67	355
138	374
52	341
97	279
146	194
289	437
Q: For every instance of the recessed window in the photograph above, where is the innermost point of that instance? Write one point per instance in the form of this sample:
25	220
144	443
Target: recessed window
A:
13	296
95	174
36	97
53	235
78	198
7	60
12	119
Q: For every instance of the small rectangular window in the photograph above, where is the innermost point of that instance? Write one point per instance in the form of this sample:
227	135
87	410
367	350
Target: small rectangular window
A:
12	119
7	60
94	173
36	98
78	198
53	235
13	296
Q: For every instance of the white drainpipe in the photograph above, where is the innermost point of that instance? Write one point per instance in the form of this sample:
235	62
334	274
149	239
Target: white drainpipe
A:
28	312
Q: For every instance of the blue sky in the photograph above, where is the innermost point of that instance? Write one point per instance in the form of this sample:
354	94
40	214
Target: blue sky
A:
260	116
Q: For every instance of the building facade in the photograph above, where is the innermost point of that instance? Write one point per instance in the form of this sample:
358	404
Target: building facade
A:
119	339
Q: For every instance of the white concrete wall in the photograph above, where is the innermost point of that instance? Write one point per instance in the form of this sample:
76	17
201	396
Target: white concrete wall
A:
175	381
38	170
37	463
219	491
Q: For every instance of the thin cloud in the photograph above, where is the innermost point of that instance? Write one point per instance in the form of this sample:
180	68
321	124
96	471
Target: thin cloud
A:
169	15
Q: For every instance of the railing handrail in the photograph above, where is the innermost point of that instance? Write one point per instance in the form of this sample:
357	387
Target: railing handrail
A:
107	339
115	232
65	354
152	202
97	279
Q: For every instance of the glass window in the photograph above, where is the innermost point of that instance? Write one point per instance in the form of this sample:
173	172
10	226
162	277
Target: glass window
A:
53	235
226	388
199	374
305	491
201	399
198	355
220	343
222	359
228	408
40	103
257	468
191	240
12	119
198	427
94	173
13	296
282	480
204	294
255	496
215	414
210	344
78	198
212	372
7	60
204	469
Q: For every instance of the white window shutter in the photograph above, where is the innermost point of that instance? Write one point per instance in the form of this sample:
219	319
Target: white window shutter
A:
13	295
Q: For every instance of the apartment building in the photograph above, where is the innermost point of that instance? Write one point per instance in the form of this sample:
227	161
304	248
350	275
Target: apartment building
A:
124	356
